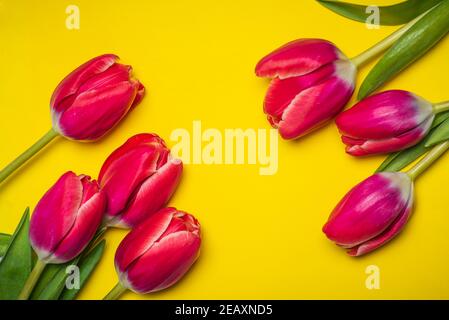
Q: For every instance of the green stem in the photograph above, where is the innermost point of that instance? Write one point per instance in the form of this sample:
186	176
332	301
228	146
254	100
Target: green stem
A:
383	45
116	292
32	279
428	160
441	107
24	157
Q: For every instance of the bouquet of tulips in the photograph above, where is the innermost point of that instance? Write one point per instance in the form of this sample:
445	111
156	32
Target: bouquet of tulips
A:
134	185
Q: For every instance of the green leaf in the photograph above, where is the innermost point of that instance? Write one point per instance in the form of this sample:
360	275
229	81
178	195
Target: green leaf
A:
49	273
54	282
16	264
399	160
4	243
419	39
440	118
51	284
87	266
396	14
440	134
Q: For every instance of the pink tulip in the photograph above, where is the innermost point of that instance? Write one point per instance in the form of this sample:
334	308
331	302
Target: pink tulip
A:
386	122
66	218
312	82
138	179
158	252
372	213
92	99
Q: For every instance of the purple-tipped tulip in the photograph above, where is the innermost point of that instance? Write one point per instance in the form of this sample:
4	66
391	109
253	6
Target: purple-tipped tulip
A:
372	213
66	218
386	122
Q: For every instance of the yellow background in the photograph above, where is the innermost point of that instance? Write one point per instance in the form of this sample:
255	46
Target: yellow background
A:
262	234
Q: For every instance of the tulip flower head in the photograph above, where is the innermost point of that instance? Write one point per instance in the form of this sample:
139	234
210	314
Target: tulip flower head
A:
372	213
386	122
312	81
66	218
158	252
92	99
87	104
138	179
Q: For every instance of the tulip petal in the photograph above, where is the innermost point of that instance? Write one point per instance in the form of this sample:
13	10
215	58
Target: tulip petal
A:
281	93
139	140
90	188
297	58
93	113
115	74
182	221
59	206
71	83
390	113
314	106
142	238
139	96
83	230
387	235
164	264
119	183
151	195
361	148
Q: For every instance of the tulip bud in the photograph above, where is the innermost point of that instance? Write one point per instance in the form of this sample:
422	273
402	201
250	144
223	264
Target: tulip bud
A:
386	122
66	218
92	99
372	213
159	251
138	179
312	82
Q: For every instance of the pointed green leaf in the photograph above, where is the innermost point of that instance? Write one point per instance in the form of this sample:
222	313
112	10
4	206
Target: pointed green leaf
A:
51	283
16	264
419	39
56	285
49	273
396	14
384	166
440	118
440	134
399	160
86	266
4	243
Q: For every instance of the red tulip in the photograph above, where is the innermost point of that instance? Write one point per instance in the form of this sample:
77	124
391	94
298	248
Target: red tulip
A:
92	99
66	218
158	252
138	179
87	104
312	82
